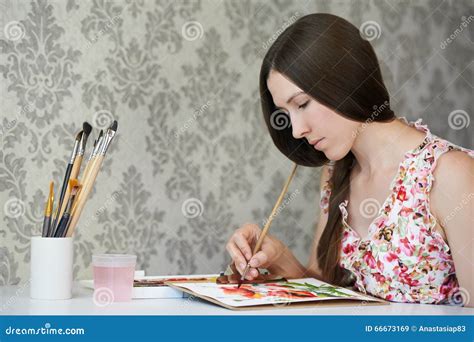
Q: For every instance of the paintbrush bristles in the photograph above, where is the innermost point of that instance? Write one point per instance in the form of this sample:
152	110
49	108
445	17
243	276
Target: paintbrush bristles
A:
49	204
75	190
87	128
48	210
73	182
114	126
79	135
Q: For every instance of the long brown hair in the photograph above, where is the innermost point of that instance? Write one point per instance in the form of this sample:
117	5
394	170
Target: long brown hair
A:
327	58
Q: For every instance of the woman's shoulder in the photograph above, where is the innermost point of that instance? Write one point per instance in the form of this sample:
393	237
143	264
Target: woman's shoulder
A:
454	167
453	181
440	146
437	153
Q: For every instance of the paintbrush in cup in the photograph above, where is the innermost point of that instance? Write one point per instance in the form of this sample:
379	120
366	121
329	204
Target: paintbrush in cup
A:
63	223
93	154
48	211
86	129
67	176
268	223
89	181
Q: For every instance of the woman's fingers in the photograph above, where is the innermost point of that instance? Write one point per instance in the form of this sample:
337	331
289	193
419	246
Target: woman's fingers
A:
240	263
243	245
240	249
252	273
233	268
236	255
259	259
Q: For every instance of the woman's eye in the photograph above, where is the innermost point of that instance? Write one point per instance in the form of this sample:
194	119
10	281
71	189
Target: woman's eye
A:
303	105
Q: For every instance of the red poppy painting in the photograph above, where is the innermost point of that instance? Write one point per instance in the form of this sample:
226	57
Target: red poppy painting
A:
284	292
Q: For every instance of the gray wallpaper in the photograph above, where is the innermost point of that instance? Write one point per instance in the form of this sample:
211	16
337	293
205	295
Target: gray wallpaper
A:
192	159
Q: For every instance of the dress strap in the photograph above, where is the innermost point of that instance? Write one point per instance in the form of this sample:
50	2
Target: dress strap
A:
431	154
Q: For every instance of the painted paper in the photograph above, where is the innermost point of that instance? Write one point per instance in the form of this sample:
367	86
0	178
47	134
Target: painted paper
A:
291	291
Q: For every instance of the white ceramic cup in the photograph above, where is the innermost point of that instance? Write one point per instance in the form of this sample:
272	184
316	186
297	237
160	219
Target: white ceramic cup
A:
51	268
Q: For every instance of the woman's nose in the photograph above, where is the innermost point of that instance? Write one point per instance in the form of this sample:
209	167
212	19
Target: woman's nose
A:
299	128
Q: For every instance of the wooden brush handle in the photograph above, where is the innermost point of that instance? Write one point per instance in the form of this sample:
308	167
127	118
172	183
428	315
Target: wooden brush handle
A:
265	229
76	167
74	173
87	169
275	208
84	194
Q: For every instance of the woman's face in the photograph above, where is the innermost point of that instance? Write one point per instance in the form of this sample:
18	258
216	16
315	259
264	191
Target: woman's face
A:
311	120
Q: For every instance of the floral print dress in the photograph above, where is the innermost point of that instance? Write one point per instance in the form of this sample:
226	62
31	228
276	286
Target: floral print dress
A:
402	258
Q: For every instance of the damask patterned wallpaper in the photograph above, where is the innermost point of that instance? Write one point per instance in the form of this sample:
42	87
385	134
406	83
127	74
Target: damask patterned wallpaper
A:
192	159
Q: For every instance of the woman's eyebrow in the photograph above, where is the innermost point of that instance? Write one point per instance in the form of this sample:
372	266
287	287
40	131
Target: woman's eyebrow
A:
294	95
291	98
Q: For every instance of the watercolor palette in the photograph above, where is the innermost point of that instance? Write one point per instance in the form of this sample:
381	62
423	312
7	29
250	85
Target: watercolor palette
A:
308	291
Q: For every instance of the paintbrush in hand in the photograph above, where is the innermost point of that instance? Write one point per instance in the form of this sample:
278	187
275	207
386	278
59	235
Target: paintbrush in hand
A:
268	223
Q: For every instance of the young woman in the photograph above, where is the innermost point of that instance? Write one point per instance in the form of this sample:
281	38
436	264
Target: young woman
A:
418	247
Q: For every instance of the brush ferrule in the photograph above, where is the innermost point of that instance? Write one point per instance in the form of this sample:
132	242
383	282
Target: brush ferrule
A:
92	152
97	147
107	140
69	205
82	145
74	152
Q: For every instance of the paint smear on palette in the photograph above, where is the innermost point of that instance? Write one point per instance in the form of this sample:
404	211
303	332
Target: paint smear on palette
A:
297	290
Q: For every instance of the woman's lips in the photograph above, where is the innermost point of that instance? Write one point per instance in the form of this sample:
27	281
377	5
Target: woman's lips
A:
317	143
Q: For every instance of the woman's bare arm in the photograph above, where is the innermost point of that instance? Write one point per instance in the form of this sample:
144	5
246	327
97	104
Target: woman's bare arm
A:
452	203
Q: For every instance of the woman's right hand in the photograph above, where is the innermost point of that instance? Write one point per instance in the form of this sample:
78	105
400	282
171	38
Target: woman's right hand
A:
241	245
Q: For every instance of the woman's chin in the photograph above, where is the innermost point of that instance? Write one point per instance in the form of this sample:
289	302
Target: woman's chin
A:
334	155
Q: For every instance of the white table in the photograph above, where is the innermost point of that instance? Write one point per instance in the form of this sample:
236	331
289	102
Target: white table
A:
15	300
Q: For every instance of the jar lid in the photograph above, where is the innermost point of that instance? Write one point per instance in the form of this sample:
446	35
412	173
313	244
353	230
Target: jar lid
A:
114	260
